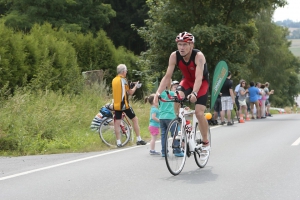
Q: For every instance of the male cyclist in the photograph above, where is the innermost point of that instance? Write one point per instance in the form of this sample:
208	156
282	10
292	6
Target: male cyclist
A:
194	84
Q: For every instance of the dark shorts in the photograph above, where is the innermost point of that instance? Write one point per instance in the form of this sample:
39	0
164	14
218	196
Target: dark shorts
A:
267	102
129	112
187	87
218	105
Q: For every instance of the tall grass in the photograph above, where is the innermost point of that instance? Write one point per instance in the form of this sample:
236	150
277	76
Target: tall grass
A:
47	122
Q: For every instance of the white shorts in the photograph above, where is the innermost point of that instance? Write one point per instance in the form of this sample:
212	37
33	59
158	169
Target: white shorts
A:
227	103
243	103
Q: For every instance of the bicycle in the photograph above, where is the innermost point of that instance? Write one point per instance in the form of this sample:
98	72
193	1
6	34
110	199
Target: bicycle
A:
107	131
181	138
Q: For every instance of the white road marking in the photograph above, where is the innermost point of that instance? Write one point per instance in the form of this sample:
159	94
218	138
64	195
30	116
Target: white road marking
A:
297	142
64	163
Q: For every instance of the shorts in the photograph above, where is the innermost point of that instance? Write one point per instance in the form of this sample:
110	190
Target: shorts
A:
227	103
129	112
218	105
186	87
242	103
154	130
267	102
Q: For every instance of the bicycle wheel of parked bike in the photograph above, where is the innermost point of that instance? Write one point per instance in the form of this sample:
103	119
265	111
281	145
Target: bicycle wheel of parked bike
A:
176	145
107	132
201	157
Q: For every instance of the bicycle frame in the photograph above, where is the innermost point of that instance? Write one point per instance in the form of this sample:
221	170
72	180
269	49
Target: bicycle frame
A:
178	145
183	113
125	118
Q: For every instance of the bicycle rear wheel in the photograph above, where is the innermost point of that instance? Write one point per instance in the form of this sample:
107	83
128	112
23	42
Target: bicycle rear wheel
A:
107	132
200	157
176	146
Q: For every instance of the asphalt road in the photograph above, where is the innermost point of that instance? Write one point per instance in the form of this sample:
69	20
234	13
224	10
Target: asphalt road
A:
259	159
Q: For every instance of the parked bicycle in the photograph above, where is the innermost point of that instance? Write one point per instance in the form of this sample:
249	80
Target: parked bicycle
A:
181	137
107	131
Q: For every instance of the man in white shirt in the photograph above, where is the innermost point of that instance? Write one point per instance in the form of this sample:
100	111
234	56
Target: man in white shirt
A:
236	92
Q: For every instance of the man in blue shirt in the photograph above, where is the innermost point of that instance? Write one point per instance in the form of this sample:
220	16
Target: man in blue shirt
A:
253	98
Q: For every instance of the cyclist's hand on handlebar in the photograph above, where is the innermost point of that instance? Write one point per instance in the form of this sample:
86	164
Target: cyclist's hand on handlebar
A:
192	98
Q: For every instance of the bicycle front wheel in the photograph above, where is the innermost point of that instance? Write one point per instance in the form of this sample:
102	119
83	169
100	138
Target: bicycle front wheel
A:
201	156
176	146
107	132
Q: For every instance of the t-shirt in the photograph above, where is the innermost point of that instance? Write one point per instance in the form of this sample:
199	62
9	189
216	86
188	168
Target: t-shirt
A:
120	87
253	94
237	89
152	121
166	109
267	92
225	88
241	97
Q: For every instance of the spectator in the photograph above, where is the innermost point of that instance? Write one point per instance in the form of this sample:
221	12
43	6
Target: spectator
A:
263	101
236	93
121	104
242	98
217	110
227	100
167	114
153	124
268	93
253	98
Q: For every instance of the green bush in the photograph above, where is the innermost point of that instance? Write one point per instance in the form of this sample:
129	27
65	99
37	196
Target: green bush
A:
44	122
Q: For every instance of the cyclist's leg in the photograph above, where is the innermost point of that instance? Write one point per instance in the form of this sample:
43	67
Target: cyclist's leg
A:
199	112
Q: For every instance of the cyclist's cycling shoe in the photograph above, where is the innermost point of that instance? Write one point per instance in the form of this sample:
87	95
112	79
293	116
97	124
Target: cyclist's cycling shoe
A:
119	145
222	123
204	153
181	154
142	142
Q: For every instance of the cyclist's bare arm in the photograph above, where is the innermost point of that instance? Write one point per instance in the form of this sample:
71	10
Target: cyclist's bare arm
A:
200	61
166	80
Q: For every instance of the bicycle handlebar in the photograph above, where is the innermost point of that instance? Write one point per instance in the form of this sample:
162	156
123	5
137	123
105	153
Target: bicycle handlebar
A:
176	98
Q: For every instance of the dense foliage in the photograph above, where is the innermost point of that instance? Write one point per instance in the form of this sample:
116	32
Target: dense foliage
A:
224	30
45	45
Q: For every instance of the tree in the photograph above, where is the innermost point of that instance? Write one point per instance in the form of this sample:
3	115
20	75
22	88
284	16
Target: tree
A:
73	15
274	62
120	31
223	30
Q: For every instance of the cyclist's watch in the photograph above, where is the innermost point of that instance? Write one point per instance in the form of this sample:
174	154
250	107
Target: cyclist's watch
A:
195	93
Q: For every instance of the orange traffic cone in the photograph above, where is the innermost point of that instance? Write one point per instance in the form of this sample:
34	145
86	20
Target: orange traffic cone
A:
247	117
242	119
